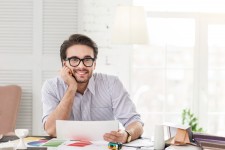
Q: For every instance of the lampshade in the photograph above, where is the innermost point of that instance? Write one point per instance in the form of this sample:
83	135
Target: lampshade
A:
130	26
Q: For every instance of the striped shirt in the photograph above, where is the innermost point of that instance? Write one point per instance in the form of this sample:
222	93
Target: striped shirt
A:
105	98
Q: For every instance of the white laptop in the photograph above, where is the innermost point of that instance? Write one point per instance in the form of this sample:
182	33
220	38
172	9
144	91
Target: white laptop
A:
84	130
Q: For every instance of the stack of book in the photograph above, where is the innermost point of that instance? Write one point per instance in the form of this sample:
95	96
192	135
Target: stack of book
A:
209	142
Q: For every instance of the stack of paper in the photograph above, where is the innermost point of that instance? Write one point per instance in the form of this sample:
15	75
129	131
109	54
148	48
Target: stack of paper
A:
84	145
140	143
7	146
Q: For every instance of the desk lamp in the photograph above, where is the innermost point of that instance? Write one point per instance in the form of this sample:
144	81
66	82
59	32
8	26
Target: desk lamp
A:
130	26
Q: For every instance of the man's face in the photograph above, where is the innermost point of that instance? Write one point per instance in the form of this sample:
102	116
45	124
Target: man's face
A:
81	73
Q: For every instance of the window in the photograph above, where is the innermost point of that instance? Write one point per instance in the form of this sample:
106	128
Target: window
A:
183	66
216	77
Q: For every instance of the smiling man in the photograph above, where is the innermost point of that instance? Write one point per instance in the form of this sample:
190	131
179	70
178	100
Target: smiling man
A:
81	95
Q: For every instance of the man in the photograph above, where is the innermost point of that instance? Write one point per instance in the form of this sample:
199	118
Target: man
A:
79	94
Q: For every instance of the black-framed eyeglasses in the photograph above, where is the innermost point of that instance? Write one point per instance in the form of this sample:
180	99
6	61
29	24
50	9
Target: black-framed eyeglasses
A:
75	61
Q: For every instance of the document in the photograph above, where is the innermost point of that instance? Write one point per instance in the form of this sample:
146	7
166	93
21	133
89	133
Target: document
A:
140	143
84	145
84	130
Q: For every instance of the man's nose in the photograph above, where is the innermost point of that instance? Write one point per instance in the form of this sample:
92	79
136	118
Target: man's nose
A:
81	64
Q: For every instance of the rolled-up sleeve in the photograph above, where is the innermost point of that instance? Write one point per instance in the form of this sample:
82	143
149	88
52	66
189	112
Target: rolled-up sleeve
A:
49	99
123	108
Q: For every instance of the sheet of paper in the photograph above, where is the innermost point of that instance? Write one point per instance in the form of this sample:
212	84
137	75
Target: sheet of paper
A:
140	143
86	145
53	143
84	130
95	145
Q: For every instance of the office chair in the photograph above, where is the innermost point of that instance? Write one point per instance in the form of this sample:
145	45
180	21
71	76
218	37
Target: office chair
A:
9	105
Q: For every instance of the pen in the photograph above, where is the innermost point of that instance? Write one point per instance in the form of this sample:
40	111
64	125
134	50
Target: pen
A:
145	148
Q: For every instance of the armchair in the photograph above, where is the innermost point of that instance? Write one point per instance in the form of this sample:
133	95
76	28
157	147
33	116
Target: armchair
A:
10	97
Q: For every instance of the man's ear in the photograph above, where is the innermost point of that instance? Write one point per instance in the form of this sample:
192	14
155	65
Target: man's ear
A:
94	65
64	63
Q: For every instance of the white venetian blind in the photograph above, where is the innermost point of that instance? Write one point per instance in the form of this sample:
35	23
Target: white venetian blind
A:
59	21
48	74
16	33
16	26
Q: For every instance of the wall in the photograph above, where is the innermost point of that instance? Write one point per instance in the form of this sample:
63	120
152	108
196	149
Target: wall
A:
96	20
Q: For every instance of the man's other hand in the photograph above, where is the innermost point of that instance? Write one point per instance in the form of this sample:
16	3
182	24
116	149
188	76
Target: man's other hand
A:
116	136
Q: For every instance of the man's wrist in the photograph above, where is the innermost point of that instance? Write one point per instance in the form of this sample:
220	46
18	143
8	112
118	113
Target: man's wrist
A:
72	88
129	138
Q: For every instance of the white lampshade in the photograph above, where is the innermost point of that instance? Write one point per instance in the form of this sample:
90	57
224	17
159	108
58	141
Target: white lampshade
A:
130	26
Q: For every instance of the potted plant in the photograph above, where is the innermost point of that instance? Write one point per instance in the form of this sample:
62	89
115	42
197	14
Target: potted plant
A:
188	118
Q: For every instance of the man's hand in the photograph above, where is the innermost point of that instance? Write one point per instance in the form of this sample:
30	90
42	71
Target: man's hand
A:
116	136
67	76
135	129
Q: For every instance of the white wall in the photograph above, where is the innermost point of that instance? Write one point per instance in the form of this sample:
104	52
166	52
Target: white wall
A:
96	20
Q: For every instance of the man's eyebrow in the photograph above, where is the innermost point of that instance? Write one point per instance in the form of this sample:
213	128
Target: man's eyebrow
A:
73	57
87	56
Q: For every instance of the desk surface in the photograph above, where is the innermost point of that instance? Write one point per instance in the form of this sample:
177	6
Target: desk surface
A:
65	147
7	138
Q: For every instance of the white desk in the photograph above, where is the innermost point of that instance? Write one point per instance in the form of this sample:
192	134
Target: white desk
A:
103	145
186	147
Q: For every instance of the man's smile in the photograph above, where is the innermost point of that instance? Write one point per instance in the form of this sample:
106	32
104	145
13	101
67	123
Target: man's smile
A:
81	72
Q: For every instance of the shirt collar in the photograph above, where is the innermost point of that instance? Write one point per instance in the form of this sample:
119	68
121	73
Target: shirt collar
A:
91	85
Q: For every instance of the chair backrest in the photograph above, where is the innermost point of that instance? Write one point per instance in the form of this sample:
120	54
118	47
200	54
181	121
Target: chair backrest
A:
9	104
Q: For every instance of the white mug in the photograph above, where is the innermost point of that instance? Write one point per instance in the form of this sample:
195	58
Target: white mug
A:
159	142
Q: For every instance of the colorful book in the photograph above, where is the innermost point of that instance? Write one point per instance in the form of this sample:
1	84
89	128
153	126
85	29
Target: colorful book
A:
208	137
209	142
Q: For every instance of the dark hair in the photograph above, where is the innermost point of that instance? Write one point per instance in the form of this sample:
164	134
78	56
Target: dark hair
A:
76	39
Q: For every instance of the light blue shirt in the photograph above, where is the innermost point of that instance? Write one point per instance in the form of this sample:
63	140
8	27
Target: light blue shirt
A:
104	99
